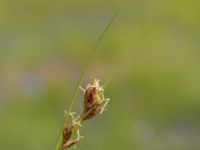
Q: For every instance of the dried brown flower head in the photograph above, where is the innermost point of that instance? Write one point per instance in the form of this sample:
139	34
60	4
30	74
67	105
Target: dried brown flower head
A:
68	130
94	101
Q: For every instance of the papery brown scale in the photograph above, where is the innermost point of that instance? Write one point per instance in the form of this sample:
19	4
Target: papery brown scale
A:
67	133
89	97
68	144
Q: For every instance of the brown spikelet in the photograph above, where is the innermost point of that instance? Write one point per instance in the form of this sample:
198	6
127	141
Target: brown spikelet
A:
94	101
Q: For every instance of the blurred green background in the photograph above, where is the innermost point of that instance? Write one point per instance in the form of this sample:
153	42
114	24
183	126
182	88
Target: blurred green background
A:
150	56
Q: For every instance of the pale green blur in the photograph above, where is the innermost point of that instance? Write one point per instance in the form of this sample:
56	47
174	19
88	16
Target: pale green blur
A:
150	58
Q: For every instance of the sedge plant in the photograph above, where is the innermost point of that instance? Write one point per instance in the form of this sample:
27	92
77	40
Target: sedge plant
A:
94	102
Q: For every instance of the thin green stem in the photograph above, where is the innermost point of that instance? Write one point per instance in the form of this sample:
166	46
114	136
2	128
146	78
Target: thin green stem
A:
74	97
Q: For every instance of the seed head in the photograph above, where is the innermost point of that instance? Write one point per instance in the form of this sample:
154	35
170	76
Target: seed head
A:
68	131
94	101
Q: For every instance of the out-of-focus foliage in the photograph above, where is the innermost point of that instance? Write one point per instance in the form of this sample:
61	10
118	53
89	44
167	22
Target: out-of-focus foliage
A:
150	56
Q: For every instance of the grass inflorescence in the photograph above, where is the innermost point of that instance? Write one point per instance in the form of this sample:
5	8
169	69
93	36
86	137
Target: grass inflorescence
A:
94	102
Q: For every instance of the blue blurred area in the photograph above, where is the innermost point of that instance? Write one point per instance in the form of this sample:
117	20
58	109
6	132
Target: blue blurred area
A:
150	56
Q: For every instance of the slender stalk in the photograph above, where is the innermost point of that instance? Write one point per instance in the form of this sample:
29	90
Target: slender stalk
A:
74	97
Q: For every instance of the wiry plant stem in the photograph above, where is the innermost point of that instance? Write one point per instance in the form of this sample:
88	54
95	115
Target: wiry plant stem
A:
74	97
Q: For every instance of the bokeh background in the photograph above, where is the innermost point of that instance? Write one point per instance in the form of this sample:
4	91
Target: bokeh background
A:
150	56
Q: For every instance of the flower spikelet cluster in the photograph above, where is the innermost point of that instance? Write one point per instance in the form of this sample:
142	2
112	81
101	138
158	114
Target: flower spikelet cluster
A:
93	103
69	129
